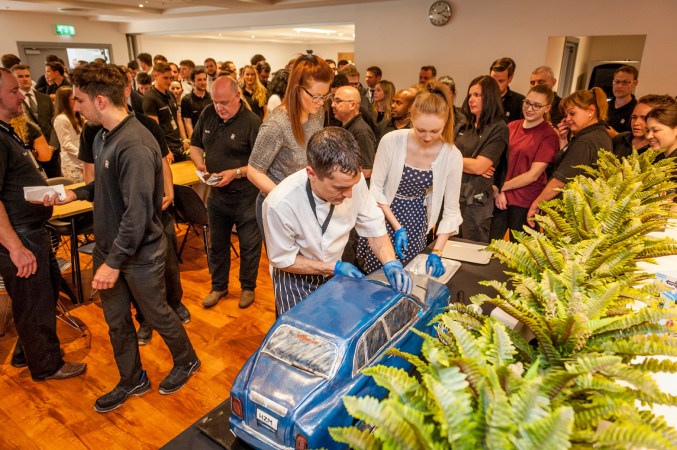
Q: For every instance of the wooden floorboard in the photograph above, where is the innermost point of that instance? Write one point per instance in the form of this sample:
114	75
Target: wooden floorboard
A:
60	414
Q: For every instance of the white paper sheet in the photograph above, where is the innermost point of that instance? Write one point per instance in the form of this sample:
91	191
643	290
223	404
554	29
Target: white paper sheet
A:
37	193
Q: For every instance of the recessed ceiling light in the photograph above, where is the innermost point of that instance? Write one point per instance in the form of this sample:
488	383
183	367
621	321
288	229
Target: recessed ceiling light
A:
220	34
253	37
140	5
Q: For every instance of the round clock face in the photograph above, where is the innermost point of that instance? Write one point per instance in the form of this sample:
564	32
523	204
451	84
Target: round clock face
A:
440	13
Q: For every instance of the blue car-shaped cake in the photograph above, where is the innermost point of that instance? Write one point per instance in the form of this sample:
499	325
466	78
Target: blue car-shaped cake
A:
290	391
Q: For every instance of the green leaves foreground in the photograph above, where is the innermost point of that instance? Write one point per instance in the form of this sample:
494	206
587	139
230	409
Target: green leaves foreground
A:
579	368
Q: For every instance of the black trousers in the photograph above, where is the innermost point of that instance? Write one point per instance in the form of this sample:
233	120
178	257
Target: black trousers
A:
513	218
33	302
225	209
173	285
476	224
144	282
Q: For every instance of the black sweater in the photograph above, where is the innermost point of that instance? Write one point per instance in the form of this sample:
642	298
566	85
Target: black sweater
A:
128	193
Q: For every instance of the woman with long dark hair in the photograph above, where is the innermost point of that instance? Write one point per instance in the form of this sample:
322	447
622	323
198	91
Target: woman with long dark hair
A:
383	99
533	144
414	170
581	135
483	143
68	126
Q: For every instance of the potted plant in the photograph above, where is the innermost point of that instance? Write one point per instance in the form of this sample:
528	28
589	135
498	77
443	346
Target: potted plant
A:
571	286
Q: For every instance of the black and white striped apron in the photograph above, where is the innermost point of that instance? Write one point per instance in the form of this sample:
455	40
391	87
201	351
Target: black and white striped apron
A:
291	288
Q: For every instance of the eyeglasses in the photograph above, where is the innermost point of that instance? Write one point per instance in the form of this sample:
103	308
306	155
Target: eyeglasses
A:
621	82
316	98
338	101
526	104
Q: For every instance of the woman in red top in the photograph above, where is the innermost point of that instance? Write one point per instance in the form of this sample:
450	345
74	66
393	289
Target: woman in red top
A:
532	146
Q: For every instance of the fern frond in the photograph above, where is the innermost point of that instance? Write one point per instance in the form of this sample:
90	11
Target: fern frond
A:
631	435
358	439
399	384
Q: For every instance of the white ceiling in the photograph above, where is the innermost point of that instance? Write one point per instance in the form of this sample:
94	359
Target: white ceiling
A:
129	11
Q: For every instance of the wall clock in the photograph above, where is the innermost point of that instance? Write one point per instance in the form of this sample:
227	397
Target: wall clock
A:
440	13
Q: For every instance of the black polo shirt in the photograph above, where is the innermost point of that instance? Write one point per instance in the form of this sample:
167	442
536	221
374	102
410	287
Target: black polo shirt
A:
622	143
556	115
581	150
226	144
192	106
52	88
512	106
253	104
365	138
386	126
619	118
164	107
18	168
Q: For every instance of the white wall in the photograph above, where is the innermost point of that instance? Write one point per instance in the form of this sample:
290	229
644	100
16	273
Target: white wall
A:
481	31
34	27
277	55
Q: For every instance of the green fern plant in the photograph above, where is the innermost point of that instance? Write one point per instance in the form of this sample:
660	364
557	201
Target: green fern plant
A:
570	286
470	393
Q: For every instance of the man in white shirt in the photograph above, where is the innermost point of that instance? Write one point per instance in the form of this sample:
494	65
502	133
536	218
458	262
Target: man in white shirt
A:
307	219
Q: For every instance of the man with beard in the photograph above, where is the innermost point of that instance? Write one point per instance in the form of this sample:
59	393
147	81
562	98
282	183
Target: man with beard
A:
193	103
212	72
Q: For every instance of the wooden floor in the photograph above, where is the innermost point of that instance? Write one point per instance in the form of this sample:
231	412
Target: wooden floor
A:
60	414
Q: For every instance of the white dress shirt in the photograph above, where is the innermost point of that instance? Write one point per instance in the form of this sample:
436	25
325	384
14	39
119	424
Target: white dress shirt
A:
292	229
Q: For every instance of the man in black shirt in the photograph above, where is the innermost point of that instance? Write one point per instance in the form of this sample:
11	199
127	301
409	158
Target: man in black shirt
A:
129	257
193	103
544	75
221	144
27	264
346	107
55	75
623	103
399	113
159	104
502	70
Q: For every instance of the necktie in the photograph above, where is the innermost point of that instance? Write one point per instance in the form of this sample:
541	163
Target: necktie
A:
31	103
371	95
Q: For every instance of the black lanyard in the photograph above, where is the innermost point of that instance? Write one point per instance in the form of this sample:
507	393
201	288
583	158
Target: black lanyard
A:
311	199
10	130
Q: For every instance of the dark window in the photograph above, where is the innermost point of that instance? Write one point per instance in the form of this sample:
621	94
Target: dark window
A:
360	357
401	315
376	339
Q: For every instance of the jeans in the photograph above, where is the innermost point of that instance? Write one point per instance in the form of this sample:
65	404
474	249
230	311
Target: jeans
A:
33	303
225	209
144	282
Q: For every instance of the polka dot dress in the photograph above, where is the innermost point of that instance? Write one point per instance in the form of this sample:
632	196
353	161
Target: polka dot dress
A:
409	209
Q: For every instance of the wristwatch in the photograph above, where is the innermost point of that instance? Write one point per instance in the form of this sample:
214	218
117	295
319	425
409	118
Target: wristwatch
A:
238	173
436	252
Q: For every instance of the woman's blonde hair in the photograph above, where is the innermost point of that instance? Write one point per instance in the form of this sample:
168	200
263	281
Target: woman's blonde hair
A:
260	94
435	99
389	93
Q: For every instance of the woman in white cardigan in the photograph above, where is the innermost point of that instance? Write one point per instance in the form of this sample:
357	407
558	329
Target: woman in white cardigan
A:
414	171
68	126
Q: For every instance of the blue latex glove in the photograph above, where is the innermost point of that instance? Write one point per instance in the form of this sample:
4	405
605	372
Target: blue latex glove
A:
401	242
434	266
347	269
398	278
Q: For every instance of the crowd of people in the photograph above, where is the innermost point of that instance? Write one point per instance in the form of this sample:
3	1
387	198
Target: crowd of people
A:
337	178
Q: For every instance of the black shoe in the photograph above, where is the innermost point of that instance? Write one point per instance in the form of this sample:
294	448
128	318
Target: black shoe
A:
178	377
183	313
18	357
144	334
115	398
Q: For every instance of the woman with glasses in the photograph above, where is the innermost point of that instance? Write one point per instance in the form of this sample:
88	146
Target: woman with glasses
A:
532	147
383	99
414	170
254	92
280	147
483	143
581	135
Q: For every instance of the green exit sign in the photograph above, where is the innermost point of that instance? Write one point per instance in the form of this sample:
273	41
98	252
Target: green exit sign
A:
65	30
